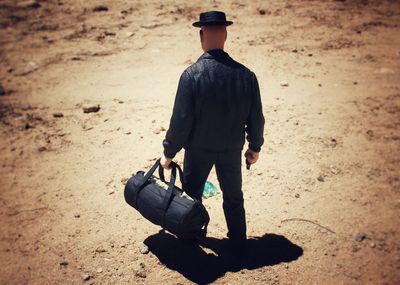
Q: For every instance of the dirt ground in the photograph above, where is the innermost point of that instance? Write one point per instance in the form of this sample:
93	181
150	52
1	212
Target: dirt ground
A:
322	203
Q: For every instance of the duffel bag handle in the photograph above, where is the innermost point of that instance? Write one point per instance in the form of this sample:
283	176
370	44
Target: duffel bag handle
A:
173	164
151	171
171	183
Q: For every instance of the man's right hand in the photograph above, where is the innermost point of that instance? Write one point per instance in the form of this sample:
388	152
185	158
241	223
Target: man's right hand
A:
251	156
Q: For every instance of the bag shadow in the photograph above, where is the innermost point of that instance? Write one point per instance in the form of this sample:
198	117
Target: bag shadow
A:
202	268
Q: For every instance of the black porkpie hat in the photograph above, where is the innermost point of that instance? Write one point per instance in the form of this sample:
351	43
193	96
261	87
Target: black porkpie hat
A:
212	18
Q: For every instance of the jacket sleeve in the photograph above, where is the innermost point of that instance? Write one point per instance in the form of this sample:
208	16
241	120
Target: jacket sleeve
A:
182	117
255	120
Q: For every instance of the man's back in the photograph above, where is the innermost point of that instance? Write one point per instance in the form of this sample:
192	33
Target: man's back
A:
223	90
217	97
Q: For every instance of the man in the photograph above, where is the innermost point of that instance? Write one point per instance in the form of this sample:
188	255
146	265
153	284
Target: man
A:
216	104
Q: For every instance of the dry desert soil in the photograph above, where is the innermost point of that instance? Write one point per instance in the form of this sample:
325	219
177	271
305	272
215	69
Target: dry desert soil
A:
322	203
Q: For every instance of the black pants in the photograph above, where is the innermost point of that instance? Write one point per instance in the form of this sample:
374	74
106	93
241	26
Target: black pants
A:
196	168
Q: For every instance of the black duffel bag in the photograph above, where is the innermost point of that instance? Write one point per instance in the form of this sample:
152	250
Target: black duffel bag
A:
165	204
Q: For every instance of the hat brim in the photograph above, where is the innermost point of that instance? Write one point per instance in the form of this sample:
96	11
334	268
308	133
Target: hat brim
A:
199	24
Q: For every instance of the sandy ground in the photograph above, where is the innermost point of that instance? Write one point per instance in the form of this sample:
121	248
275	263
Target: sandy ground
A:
322	203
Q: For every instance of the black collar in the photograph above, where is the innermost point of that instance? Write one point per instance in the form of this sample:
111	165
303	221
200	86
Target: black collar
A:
215	54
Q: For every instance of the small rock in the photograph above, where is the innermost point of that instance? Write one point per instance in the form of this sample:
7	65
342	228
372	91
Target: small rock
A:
42	148
355	82
76	58
360	237
99	270
140	273
124	180
261	11
294	50
144	249
319	84
85	276
100	250
372	245
334	169
58	115
28	4
91	109
284	83
64	263
321	178
27	126
77	215
370	134
2	91
100	8
310	54
297	195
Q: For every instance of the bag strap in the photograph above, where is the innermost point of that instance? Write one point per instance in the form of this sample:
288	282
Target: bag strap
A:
150	172
168	197
173	164
145	178
170	191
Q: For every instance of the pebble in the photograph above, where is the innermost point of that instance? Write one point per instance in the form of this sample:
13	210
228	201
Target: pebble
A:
140	273
42	149
297	195
334	169
91	109
284	83
100	250
99	270
77	215
28	4
372	244
360	237
85	276
261	12
144	249
64	263
58	115
28	126
321	178
2	91
100	8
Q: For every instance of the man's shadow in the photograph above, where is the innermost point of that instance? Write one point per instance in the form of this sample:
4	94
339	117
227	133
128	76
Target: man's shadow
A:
202	268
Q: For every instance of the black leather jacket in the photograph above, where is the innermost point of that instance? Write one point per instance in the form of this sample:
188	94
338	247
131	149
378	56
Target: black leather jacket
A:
217	102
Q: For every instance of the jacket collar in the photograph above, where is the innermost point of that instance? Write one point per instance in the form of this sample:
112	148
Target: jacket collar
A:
214	54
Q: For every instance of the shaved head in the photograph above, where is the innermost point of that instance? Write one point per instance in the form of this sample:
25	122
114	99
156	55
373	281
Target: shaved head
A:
213	37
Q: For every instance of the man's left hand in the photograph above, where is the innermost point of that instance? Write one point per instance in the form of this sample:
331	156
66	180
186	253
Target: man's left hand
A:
165	162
